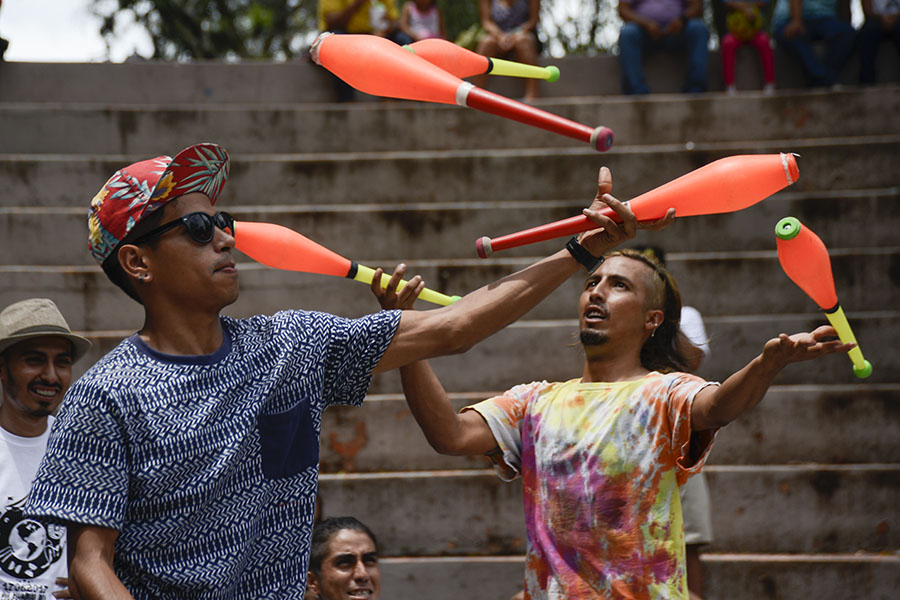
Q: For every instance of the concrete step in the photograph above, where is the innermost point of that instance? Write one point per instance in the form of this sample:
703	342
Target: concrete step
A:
37	128
446	231
725	576
383	436
387	178
152	82
474	175
808	508
507	358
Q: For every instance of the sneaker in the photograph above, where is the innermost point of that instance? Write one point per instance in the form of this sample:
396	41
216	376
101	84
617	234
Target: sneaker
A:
731	90
769	89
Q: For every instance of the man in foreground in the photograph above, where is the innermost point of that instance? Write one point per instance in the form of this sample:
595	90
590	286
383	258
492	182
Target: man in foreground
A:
602	457
186	460
37	350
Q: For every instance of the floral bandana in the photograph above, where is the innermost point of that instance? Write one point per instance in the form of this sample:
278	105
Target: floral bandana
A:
137	190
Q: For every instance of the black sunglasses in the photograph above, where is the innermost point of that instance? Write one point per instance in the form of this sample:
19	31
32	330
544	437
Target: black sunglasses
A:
200	226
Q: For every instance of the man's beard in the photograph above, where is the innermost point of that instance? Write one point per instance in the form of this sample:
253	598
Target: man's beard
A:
592	337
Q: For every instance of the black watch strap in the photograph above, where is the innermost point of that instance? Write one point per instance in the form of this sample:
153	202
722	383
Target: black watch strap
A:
588	260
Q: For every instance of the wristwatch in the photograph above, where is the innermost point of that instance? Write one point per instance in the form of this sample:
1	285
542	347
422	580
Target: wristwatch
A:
588	260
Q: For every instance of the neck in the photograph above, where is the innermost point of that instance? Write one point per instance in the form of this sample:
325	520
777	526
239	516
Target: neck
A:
607	364
182	331
21	425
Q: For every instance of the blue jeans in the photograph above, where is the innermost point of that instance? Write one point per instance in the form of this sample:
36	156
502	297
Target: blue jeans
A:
633	40
839	38
869	38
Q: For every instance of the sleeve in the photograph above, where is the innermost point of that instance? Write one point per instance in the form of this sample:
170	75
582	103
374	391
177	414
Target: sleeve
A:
505	415
354	348
83	477
689	450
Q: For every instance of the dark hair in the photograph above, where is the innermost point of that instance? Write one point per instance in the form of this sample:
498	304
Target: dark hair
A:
113	268
668	349
324	531
653	252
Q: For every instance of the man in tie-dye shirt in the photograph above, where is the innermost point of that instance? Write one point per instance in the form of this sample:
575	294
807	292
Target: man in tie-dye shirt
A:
601	457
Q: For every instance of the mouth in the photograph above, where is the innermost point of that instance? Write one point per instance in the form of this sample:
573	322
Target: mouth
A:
595	314
366	593
226	267
47	392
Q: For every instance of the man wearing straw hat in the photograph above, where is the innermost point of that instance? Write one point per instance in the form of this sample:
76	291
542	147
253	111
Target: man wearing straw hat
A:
186	460
37	350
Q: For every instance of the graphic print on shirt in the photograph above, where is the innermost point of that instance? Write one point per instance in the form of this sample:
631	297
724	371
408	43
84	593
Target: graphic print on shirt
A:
28	547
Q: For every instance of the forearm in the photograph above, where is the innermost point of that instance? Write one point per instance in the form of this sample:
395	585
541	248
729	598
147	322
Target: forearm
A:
458	327
447	431
629	14
796	10
91	574
718	406
91	578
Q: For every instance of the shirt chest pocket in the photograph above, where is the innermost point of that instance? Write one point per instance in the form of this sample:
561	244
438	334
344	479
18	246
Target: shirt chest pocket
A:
289	441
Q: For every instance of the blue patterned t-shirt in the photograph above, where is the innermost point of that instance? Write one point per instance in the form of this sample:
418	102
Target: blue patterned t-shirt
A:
208	465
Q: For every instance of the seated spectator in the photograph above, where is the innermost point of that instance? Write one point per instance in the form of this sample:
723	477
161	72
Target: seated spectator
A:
745	26
667	25
798	23
377	17
343	561
422	20
882	22
510	29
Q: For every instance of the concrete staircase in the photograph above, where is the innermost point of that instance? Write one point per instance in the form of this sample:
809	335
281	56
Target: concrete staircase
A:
805	488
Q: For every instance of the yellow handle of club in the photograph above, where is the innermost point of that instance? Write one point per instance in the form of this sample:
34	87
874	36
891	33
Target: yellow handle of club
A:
514	69
366	275
861	367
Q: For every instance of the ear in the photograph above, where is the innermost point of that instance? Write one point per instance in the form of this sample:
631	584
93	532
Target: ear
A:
312	585
653	320
133	260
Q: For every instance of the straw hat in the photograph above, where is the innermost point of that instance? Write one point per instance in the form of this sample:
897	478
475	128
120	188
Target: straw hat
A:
37	317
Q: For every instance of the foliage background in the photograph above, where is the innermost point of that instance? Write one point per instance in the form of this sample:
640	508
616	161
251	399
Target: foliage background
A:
234	30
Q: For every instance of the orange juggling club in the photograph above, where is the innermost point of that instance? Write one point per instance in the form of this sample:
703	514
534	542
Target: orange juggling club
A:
377	66
283	248
465	63
805	260
725	185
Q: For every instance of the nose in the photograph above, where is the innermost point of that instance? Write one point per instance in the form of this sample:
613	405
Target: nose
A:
361	572
50	373
223	240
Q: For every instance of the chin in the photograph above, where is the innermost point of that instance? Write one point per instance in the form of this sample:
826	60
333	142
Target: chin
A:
592	337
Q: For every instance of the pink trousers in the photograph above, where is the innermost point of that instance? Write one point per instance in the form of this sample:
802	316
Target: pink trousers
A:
730	45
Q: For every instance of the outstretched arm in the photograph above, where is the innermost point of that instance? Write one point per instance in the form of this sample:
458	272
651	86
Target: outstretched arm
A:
456	328
718	406
447	431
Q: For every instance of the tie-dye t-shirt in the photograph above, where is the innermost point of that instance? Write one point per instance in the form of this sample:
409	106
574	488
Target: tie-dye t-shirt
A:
601	464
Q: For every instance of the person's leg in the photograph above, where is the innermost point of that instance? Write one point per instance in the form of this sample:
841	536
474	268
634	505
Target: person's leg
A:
526	52
840	38
763	46
801	49
869	38
729	49
631	44
696	39
488	46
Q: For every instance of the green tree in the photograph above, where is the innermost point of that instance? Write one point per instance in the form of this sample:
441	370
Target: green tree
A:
207	29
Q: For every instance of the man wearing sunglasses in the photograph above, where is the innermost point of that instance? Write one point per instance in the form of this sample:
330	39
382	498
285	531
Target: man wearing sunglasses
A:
185	462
